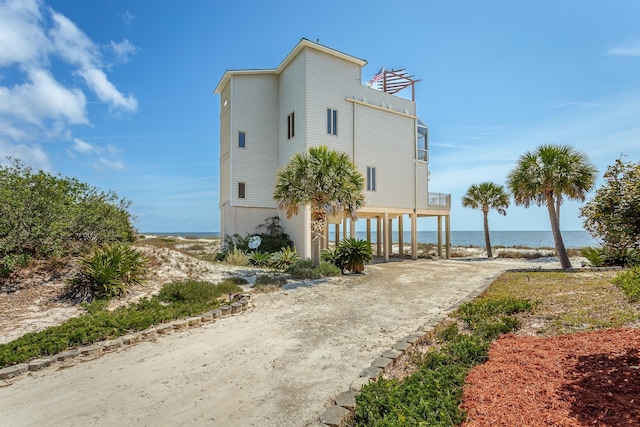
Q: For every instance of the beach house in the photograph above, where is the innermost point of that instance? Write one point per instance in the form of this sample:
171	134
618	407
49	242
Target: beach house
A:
316	96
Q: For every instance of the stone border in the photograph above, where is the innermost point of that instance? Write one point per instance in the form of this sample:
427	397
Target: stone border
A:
73	356
341	411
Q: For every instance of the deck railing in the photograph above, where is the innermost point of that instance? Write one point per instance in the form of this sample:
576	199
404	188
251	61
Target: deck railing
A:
440	199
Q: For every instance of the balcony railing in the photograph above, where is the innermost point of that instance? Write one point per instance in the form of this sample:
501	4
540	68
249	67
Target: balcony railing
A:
440	200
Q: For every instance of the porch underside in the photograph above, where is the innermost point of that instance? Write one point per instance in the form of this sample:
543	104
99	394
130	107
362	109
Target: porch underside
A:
382	220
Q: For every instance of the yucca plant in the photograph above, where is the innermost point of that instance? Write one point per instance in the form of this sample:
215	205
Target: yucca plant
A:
284	258
237	257
353	254
260	258
108	271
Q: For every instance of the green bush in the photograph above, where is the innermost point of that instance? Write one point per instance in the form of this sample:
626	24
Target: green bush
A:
432	395
284	258
175	300
629	282
260	259
605	256
12	261
108	272
353	254
42	215
303	269
269	280
237	257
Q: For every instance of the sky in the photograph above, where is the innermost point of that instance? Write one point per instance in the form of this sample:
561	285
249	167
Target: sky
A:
119	94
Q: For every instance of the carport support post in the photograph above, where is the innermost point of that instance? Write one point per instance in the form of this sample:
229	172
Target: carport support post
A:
379	235
385	233
369	230
389	236
400	235
414	236
337	234
447	227
439	235
352	228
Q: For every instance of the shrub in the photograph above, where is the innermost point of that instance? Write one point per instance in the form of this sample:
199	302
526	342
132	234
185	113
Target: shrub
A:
432	395
606	256
327	269
259	258
269	280
237	257
45	215
284	258
175	300
353	254
109	271
12	261
629	282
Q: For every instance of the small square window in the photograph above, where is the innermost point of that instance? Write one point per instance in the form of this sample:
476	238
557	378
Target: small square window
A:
242	139
242	190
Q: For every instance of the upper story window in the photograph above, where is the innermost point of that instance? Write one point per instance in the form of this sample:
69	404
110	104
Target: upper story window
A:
242	190
242	139
422	150
332	121
291	125
371	178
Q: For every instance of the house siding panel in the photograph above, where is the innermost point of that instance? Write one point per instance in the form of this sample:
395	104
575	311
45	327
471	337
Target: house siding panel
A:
255	112
292	99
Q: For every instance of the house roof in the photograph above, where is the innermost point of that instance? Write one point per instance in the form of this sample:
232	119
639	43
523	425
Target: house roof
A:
296	50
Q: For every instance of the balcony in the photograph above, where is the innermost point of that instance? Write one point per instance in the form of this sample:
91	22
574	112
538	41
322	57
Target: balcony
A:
440	201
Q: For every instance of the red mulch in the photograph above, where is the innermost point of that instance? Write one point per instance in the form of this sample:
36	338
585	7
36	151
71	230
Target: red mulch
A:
585	379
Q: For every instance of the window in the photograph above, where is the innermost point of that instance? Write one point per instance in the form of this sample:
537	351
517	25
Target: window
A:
422	152
332	121
242	190
371	178
242	138
291	125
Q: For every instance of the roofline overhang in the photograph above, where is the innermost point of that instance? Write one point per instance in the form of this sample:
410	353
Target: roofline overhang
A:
296	50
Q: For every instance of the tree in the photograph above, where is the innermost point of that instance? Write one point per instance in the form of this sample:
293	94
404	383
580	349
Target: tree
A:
326	181
486	196
43	215
613	216
547	175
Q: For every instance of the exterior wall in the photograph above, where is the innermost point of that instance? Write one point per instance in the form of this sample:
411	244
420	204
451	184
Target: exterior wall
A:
225	146
243	220
385	141
298	227
292	99
255	112
330	81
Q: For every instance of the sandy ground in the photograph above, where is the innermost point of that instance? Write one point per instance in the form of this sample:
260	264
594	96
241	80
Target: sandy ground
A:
276	365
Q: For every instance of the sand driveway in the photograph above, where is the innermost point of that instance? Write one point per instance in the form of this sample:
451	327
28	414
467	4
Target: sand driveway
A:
276	365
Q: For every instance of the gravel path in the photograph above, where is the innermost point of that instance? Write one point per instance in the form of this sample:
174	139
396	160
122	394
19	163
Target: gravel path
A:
276	365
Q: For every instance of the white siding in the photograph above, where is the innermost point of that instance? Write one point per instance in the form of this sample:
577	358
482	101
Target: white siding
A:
255	112
292	99
385	141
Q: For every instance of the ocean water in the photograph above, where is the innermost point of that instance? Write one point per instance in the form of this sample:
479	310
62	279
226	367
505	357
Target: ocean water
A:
531	239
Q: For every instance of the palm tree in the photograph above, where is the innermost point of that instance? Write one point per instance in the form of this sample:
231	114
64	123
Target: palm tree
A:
326	181
547	175
486	196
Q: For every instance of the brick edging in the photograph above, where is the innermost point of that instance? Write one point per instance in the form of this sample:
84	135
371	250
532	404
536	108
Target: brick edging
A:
73	356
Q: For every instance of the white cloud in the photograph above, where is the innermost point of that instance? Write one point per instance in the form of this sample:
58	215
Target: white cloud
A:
631	48
123	50
32	155
81	146
76	48
22	39
106	91
41	98
38	103
110	164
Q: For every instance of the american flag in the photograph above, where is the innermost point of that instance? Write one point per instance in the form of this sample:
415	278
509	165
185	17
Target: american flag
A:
376	78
